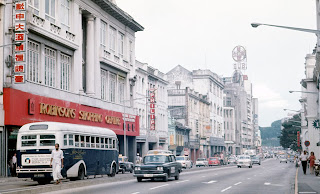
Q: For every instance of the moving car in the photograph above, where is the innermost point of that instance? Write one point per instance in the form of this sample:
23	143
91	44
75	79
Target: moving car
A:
283	159
232	160
184	161
214	161
291	158
244	160
125	165
201	162
256	160
158	164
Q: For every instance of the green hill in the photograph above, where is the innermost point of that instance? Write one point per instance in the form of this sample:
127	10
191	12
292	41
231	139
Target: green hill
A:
269	135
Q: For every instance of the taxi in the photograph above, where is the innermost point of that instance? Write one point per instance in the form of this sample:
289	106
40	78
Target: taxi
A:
158	164
124	164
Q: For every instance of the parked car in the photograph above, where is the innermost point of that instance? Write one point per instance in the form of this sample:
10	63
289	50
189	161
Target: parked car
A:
201	162
125	165
256	160
232	160
291	158
214	161
158	164
283	159
244	160
184	161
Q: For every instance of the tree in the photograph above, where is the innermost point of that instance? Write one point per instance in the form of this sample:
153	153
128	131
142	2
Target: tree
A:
288	137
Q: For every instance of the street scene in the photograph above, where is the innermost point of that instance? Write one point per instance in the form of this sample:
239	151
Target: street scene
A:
171	96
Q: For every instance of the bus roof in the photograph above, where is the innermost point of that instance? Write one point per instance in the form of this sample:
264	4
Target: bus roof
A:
73	128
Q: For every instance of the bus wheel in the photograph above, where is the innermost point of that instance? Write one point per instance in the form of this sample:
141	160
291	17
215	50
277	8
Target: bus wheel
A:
113	171
44	181
81	172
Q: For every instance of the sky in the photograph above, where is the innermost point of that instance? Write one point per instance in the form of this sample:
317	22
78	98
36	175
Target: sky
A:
201	34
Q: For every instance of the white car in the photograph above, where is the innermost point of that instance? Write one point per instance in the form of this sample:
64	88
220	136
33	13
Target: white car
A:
283	159
184	161
244	160
202	162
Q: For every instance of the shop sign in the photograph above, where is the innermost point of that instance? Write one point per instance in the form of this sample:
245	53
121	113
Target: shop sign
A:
19	79
152	109
19	68
35	159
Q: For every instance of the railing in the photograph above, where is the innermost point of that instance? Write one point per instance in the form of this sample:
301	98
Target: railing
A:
176	92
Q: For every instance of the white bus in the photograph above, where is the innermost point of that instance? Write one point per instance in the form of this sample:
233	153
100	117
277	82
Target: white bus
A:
87	150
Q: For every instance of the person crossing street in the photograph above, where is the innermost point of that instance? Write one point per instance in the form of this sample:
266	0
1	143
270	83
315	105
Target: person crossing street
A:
56	163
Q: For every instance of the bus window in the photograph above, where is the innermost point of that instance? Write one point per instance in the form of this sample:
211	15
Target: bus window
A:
88	141
106	141
70	140
47	140
93	145
82	141
102	142
97	142
110	143
65	140
113	143
29	140
77	140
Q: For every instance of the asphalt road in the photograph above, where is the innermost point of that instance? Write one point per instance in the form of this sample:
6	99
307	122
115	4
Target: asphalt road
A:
270	177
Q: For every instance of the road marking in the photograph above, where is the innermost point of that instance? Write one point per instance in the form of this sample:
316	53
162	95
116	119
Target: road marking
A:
182	181
209	182
203	176
135	193
226	189
307	192
267	183
238	183
278	185
159	186
255	175
249	178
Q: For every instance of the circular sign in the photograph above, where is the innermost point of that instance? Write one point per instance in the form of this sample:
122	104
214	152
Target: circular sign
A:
315	124
307	143
239	53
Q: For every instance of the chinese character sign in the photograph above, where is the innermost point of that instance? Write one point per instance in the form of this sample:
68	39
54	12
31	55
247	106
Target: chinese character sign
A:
152	110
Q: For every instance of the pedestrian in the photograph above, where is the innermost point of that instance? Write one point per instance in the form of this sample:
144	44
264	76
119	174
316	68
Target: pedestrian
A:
312	158
56	163
304	161
14	164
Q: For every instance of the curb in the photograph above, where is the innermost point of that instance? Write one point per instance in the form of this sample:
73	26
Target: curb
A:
296	183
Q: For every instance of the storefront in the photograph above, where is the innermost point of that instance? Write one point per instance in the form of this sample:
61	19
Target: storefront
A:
22	108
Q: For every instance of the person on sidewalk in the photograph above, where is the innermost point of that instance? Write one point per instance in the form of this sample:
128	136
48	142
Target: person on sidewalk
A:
14	165
304	161
312	158
56	163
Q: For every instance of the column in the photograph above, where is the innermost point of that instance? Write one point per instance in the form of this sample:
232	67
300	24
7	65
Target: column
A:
77	56
90	56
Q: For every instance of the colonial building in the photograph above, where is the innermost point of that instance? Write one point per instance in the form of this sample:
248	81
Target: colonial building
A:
149	79
76	55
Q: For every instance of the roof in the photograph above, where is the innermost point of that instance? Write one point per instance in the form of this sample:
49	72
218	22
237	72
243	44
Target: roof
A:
73	128
119	14
159	152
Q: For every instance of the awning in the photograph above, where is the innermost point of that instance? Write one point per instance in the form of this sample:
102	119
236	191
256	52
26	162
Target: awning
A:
229	142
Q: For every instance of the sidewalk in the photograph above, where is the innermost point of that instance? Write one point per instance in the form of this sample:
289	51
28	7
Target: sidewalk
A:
10	179
308	183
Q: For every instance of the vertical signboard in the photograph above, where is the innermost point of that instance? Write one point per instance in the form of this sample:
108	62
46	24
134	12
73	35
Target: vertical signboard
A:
298	138
20	41
152	109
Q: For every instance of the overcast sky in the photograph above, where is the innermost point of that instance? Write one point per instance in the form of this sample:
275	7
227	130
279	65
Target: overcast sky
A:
200	34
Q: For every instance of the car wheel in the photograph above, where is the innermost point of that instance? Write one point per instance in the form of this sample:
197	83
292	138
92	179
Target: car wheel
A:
259	163
139	179
177	177
165	179
286	162
131	171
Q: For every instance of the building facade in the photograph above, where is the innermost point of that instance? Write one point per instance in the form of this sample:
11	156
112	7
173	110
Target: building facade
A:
79	58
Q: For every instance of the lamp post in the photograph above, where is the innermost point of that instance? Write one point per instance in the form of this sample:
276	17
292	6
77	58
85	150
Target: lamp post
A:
316	32
292	110
303	92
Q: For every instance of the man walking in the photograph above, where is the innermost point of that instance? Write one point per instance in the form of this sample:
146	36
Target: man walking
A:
56	163
304	161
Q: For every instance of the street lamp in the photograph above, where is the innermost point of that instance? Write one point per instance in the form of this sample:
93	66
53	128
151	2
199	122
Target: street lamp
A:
303	92
291	110
317	32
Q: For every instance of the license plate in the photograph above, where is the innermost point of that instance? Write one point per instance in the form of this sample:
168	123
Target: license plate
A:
38	175
148	175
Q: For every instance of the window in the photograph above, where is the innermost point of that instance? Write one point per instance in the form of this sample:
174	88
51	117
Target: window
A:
65	72
121	89
93	145
70	140
28	140
47	140
102	142
82	141
112	87
106	141
33	66
104	84
131	51
112	38
65	13
50	9
121	44
65	140
34	5
97	142
113	143
88	141
77	140
50	67
103	35
110	143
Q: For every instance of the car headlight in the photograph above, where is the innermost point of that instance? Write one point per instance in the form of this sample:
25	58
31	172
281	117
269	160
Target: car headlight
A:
137	168
160	168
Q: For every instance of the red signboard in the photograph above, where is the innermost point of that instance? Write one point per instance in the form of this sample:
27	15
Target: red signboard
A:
152	109
20	37
298	138
19	48
19	57
22	108
21	6
18	79
19	68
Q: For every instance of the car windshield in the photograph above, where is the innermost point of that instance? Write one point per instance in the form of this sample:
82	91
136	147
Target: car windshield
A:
155	159
180	158
213	159
244	157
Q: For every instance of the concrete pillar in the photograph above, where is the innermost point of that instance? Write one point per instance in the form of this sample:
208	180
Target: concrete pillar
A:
77	59
90	81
